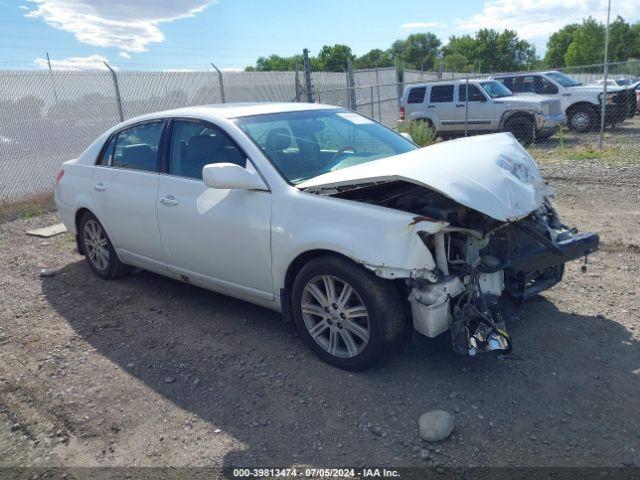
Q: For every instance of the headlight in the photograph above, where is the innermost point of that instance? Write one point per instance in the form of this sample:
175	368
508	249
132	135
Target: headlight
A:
524	169
610	98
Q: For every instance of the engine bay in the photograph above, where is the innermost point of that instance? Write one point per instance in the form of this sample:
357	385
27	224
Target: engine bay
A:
485	268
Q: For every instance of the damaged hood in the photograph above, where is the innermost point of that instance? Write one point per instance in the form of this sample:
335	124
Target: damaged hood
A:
492	174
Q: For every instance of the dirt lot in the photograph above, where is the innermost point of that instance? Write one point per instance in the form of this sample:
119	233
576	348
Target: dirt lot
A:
149	371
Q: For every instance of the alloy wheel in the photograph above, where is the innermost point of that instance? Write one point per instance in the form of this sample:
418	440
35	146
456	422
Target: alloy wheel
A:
96	245
335	316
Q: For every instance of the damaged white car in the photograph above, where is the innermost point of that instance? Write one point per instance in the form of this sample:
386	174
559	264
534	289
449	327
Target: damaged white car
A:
342	224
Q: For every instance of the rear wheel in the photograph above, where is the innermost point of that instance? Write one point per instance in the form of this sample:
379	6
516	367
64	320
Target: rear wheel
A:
346	314
98	249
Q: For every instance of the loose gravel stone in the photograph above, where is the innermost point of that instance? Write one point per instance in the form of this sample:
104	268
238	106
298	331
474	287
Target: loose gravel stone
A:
436	425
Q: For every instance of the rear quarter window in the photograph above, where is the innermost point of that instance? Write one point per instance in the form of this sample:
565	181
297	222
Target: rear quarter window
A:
416	95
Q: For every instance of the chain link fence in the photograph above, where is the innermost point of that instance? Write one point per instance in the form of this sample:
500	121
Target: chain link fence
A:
47	117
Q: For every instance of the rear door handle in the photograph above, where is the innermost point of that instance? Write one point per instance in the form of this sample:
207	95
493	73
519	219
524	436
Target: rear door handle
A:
431	106
99	187
169	201
460	105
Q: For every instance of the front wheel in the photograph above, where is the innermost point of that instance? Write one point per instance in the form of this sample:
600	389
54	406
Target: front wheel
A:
98	249
583	119
522	128
346	314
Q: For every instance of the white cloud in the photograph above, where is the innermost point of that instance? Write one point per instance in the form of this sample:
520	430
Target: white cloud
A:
128	25
124	55
537	19
92	62
416	25
23	7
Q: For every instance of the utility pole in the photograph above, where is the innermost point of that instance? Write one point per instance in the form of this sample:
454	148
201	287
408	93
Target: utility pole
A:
606	74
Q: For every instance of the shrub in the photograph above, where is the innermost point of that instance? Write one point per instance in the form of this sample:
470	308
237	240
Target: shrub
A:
420	131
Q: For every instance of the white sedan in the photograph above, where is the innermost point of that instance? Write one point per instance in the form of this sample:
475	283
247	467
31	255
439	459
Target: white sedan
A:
343	225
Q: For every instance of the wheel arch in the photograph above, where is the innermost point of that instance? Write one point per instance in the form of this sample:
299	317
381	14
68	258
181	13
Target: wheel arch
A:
510	115
76	221
582	104
292	271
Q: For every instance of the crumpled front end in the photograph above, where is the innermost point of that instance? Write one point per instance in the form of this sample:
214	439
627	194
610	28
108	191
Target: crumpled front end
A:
487	267
494	234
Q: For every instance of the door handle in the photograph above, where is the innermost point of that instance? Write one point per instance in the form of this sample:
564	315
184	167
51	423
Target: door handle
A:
169	201
99	187
460	105
431	106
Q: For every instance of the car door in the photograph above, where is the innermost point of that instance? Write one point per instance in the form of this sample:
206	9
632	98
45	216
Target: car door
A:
479	110
218	239
441	100
125	188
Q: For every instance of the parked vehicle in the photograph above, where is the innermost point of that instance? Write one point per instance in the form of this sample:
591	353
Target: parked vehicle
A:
491	108
340	223
581	103
617	82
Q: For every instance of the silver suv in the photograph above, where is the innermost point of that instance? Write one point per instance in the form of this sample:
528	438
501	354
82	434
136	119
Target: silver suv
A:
490	107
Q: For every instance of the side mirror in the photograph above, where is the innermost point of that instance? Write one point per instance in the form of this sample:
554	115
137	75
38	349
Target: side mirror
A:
231	176
407	136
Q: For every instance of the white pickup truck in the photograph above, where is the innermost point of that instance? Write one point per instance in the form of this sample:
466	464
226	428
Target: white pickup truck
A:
582	104
491	107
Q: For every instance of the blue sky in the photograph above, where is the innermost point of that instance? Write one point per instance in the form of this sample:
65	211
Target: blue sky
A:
233	33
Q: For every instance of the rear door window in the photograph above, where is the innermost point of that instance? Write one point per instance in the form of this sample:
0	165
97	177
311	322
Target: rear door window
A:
507	82
416	95
136	148
441	93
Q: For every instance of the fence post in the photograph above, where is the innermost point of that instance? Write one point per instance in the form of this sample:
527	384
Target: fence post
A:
307	75
117	89
606	75
378	90
351	86
400	80
222	96
297	82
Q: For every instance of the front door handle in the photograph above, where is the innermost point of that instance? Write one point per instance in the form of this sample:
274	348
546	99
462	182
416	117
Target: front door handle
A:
169	201
99	187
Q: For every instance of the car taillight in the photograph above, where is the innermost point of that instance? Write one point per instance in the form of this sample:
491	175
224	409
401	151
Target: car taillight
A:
401	113
59	176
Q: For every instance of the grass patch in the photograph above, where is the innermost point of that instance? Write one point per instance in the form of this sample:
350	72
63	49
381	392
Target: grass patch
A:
421	133
585	153
28	208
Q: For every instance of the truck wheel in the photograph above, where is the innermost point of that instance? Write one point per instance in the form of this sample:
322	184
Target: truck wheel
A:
522	128
345	313
583	118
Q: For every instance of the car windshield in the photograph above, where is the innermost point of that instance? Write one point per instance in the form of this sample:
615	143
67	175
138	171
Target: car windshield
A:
303	145
496	89
623	82
563	79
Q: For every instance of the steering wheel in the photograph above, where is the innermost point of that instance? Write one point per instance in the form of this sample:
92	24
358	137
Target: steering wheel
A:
342	151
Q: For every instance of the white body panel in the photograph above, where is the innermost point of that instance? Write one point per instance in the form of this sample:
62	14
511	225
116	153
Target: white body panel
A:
242	242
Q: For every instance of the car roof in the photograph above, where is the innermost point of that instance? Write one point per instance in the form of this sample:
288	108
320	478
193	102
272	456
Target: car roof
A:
232	110
447	82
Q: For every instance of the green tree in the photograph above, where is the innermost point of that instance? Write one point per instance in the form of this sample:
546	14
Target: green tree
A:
335	58
374	58
622	41
420	50
457	62
492	51
557	45
587	45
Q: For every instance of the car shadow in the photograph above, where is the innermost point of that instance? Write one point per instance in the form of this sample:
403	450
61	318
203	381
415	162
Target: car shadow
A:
241	369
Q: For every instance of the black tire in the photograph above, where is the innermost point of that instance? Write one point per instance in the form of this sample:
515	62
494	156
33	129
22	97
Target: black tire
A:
582	118
385	308
522	128
112	267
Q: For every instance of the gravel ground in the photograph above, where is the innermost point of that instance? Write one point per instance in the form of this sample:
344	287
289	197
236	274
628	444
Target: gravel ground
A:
146	371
